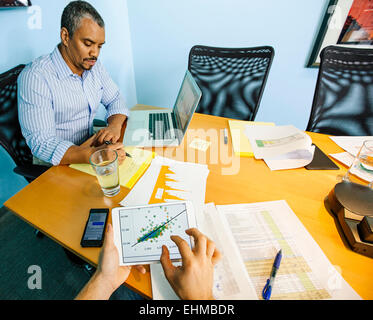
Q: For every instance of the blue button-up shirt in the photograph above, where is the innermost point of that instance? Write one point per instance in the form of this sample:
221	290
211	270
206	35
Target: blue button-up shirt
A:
56	107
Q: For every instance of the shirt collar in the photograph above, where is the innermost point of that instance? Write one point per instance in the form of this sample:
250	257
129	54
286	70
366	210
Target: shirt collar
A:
63	70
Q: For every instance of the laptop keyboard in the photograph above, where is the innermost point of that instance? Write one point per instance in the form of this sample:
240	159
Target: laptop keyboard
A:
159	126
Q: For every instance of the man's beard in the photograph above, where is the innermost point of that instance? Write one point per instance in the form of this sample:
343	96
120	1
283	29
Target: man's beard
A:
89	66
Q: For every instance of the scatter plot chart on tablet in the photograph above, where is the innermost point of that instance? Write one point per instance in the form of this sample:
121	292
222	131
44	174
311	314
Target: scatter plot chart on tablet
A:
145	229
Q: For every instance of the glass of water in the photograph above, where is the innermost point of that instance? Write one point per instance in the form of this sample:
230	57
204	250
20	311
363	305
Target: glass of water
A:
105	164
362	166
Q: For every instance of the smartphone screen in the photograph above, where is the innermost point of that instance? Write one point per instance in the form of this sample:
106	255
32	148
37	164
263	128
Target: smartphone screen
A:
93	235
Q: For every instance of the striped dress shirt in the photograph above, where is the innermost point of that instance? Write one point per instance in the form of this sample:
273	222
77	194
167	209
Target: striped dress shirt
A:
56	107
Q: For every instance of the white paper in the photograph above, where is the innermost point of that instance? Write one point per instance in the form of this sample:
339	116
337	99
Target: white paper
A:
268	142
344	157
351	144
261	230
347	159
291	160
231	281
200	144
185	181
161	289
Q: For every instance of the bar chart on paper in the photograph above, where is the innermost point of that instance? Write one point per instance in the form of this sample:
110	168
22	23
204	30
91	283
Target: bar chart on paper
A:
168	180
260	231
167	186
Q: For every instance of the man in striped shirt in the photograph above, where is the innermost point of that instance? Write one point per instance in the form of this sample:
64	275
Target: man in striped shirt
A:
60	93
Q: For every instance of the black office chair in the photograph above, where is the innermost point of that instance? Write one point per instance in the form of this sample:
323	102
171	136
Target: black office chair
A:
343	99
232	80
11	138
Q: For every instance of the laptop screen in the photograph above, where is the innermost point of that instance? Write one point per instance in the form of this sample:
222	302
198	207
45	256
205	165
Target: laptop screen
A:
186	101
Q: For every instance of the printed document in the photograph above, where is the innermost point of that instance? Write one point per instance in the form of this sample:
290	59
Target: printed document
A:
240	143
231	281
261	230
281	147
351	144
169	180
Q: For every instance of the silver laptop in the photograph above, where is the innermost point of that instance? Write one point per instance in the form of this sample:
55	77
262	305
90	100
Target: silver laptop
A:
158	128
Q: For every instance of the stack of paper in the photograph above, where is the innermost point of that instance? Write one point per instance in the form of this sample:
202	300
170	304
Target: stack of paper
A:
240	143
249	236
260	230
351	144
130	170
281	147
170	180
231	281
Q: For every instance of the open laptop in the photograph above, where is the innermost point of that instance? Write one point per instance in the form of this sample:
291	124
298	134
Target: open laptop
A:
158	128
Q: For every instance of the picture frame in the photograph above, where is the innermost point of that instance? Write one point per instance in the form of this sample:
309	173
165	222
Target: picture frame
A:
14	3
347	23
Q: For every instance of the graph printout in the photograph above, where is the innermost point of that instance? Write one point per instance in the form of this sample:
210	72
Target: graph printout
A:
144	230
261	230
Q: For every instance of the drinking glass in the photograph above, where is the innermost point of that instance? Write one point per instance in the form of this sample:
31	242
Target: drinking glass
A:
105	164
362	166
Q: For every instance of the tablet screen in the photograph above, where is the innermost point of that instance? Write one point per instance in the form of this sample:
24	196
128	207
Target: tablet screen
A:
144	230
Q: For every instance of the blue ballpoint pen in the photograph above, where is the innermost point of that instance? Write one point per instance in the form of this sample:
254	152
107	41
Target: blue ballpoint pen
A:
268	287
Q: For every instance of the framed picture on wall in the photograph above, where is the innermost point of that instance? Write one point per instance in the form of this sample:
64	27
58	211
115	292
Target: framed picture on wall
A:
15	3
346	23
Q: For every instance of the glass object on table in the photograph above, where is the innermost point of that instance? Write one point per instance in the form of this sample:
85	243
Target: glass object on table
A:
105	164
361	170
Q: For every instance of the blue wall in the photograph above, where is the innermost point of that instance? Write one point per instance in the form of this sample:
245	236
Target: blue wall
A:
165	30
27	33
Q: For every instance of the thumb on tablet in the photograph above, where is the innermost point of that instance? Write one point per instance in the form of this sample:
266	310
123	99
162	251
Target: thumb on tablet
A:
167	265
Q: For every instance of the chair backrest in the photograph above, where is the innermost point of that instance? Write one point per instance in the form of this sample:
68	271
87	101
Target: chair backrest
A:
232	80
10	132
343	99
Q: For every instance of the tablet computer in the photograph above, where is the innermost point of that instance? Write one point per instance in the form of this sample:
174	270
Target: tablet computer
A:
140	231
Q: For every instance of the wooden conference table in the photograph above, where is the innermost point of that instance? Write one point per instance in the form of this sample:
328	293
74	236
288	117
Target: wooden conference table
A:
57	203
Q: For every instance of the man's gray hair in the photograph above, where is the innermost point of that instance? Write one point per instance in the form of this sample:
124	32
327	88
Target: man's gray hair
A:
75	11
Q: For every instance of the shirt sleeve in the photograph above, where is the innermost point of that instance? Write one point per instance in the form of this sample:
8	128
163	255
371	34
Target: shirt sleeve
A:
112	99
36	118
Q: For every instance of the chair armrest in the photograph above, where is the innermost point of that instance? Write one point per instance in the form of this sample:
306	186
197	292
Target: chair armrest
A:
31	171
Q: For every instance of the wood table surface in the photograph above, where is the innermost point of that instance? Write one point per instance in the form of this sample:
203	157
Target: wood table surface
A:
58	202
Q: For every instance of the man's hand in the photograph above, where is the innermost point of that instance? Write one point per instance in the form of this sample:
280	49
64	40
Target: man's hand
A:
108	266
110	133
109	275
119	148
82	153
194	279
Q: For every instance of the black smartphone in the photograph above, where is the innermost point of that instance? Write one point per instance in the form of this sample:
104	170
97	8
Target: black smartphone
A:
94	231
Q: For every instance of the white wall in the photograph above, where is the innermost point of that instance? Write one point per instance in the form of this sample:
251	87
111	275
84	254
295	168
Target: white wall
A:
116	54
163	31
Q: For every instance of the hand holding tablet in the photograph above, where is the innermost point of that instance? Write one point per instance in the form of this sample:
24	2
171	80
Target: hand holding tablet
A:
155	233
141	231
